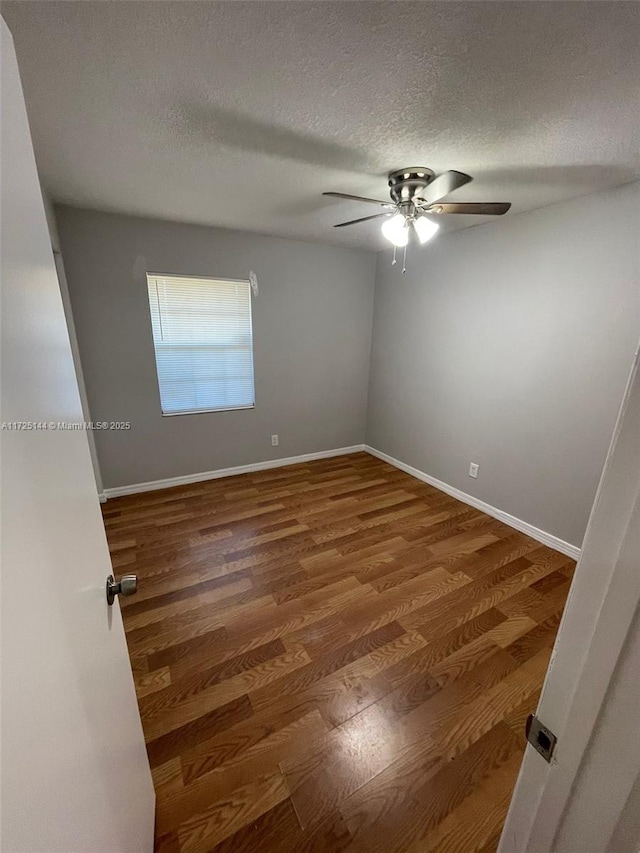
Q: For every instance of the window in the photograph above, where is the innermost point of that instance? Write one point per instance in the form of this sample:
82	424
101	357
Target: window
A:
203	341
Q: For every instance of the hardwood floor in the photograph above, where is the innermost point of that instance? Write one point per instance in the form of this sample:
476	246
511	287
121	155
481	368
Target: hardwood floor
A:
332	656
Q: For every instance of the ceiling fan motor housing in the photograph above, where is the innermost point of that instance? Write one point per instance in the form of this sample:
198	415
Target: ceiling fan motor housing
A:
406	184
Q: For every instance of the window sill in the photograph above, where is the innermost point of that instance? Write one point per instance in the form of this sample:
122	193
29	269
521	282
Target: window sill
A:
207	411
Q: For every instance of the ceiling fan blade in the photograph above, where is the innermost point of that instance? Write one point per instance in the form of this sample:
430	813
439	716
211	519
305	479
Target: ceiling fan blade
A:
494	208
359	198
444	184
364	219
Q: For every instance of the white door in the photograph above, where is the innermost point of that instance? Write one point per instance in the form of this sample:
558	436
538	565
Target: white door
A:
75	776
586	799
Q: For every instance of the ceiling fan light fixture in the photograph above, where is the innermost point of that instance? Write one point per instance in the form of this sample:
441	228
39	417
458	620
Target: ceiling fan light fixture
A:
425	229
396	230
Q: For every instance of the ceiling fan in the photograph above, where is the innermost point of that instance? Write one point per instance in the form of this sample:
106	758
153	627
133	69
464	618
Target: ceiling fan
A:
415	196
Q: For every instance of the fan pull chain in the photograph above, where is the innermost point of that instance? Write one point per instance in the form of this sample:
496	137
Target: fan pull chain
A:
393	262
404	261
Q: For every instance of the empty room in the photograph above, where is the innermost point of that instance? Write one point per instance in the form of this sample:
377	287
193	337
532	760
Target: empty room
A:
320	426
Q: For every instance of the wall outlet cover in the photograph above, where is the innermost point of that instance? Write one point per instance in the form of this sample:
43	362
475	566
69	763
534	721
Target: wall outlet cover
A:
473	469
274	441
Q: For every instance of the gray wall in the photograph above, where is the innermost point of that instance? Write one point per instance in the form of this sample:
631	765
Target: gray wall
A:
509	345
312	339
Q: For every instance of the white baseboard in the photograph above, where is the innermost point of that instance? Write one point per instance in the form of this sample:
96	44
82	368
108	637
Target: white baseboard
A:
517	523
102	497
152	486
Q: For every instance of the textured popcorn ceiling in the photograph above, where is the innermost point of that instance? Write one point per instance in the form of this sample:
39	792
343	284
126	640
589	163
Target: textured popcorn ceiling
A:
240	114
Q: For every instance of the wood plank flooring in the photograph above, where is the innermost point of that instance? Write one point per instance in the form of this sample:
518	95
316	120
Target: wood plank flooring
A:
332	656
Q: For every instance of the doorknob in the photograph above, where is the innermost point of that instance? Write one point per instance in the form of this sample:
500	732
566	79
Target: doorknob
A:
127	585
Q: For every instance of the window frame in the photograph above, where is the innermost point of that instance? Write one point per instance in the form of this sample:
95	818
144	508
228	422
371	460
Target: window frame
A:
151	274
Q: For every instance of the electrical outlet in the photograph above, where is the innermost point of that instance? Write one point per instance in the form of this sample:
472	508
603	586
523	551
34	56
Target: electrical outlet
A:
274	441
473	470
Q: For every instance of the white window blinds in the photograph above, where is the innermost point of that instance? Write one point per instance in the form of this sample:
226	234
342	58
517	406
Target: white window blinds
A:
203	342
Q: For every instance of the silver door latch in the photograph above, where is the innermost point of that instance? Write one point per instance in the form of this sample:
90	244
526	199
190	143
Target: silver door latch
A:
127	585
